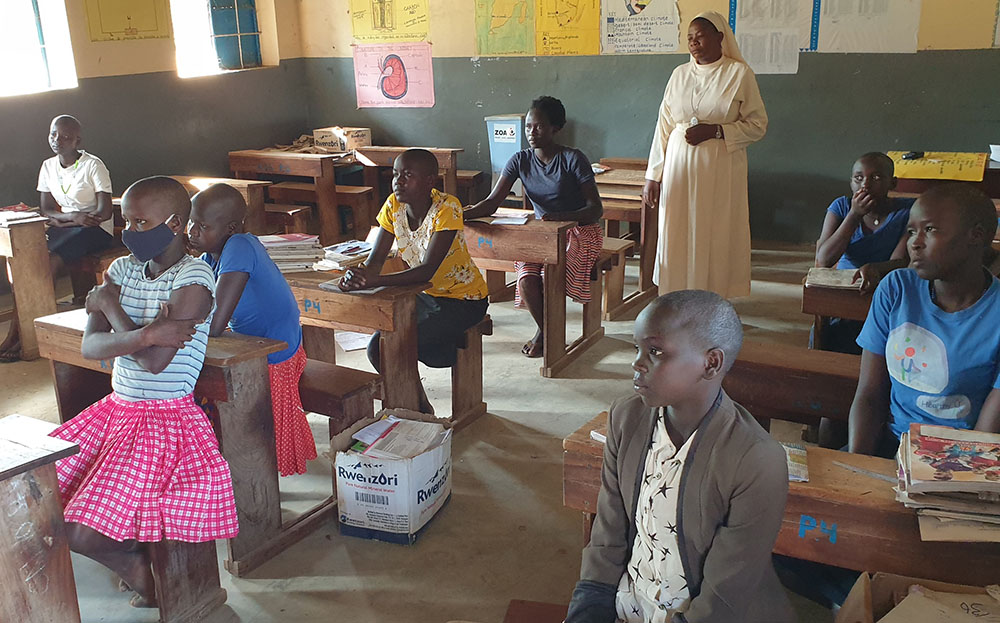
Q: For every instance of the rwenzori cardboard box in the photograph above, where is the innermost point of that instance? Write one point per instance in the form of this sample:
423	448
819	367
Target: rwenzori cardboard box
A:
337	138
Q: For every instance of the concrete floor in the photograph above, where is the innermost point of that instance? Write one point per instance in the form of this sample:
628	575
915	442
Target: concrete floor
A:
504	535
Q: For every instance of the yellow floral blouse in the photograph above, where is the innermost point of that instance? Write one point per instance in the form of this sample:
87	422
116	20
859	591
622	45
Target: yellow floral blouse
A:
457	277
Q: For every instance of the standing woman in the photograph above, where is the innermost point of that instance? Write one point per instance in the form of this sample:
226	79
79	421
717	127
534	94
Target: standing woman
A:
697	172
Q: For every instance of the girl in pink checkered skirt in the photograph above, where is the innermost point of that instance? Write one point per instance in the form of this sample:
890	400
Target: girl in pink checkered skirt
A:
149	466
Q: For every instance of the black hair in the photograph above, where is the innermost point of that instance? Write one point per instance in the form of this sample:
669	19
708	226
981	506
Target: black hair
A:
882	159
553	109
170	194
73	121
975	208
710	320
425	160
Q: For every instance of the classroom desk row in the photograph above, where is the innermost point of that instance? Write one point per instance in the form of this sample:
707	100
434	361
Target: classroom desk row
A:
839	517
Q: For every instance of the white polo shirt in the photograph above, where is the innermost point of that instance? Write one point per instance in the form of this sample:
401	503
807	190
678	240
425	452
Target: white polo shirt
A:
75	187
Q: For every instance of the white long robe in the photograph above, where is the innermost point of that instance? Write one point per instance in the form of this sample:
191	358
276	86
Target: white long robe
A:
704	224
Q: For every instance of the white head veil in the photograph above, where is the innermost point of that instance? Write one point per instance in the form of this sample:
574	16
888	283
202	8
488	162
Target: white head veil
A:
729	46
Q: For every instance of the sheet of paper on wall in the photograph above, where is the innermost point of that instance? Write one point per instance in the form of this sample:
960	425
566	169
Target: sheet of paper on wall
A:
505	27
114	20
567	27
869	25
385	21
771	33
639	26
394	75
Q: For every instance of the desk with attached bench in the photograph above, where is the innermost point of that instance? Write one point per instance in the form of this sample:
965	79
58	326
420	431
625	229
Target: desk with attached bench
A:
22	242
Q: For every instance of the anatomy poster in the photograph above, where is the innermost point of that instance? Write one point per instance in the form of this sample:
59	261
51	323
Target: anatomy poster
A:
378	21
639	26
394	75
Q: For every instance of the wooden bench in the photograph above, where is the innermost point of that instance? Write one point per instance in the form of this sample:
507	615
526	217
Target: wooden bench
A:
615	305
467	375
776	381
292	219
252	191
36	574
88	271
361	200
632	164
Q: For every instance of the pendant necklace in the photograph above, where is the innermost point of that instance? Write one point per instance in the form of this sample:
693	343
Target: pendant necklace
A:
65	189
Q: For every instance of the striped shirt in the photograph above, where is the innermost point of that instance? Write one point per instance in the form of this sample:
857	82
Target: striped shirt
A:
141	298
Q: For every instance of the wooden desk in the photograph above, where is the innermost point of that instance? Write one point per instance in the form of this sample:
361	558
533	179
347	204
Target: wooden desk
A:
391	311
990	184
257	163
838	517
818	300
493	247
235	378
36	573
621	195
23	244
252	191
375	156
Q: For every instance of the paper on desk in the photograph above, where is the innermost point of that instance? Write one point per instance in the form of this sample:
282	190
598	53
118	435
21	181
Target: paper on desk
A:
352	340
11	216
510	220
832	278
334	286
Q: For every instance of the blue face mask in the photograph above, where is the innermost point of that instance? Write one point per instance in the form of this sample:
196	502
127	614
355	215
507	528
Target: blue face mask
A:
145	245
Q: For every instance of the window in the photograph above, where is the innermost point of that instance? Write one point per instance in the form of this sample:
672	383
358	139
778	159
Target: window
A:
34	41
213	36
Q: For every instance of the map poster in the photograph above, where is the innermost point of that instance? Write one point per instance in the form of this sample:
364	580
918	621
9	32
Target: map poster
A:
112	20
394	75
385	21
639	26
567	27
505	27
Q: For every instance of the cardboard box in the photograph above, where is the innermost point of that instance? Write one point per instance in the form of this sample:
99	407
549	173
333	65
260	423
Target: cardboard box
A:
338	139
872	597
390	500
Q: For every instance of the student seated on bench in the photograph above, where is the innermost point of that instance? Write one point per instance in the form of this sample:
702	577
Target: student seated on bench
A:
253	298
427	226
931	344
75	195
693	489
864	231
149	466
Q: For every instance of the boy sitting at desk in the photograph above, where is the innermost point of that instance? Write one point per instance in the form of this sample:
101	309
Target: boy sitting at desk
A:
75	190
253	298
427	226
692	490
865	231
931	346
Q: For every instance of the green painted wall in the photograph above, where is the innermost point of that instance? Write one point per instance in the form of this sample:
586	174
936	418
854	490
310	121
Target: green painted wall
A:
154	123
837	107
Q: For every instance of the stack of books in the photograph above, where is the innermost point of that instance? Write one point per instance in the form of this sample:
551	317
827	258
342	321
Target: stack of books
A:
293	252
18	212
344	255
396	438
952	478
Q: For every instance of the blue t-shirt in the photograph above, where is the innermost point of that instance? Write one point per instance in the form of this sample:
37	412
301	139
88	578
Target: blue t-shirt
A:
267	307
878	245
942	365
553	187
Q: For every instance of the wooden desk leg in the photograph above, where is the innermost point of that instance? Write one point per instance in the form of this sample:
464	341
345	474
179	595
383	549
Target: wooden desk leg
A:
554	327
327	205
612	228
36	573
467	383
248	445
256	217
647	256
319	343
29	270
187	580
77	388
371	178
451	181
399	358
592	327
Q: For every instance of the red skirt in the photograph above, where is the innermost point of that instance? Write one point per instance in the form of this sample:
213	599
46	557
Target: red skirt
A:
583	247
148	470
293	440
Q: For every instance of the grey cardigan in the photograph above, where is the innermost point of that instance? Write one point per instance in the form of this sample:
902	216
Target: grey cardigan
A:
732	498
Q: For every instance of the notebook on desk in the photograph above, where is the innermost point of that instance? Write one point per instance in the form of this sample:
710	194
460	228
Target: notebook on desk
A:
842	279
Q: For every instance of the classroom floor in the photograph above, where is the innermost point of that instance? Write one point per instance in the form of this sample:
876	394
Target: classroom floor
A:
504	535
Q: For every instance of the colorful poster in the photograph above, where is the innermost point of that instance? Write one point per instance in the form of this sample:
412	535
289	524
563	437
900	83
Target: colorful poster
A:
567	27
385	21
505	27
869	25
394	75
112	20
639	26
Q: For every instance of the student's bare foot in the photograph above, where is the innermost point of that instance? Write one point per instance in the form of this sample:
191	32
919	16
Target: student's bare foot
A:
139	578
138	601
123	586
534	347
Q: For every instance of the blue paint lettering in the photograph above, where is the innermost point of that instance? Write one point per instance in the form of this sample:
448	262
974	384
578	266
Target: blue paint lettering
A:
485	242
310	305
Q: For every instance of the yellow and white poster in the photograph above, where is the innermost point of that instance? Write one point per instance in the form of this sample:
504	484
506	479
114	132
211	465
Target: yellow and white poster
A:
567	27
388	21
113	20
505	27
